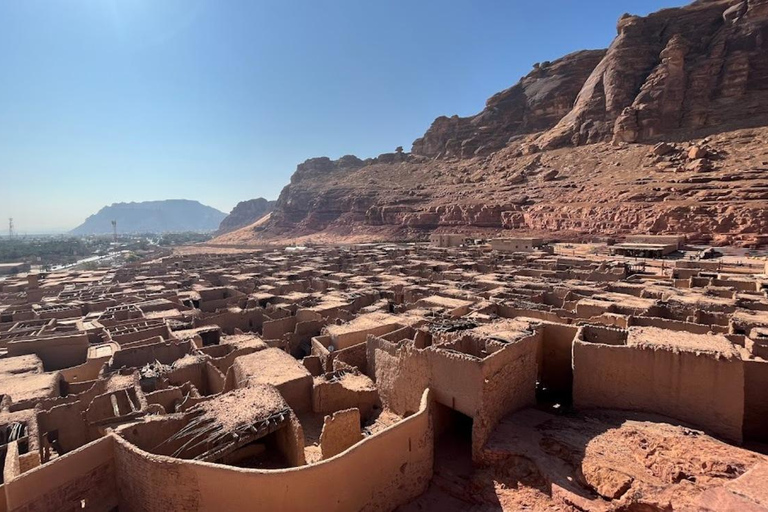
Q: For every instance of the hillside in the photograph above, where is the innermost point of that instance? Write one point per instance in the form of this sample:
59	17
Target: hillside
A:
245	213
172	215
573	150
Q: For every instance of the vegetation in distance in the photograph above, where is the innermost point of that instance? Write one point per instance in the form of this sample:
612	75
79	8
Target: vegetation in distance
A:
50	250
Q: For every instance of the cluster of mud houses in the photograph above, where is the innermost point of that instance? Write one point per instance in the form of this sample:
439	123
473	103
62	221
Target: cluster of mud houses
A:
322	378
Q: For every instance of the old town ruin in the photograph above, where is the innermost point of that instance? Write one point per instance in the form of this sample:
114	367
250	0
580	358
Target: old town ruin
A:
559	303
378	376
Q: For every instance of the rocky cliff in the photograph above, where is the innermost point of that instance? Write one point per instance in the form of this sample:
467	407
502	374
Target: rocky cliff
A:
663	132
534	104
245	213
675	73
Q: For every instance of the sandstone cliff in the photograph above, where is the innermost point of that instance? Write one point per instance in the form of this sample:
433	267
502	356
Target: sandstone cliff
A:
245	213
571	150
678	72
534	104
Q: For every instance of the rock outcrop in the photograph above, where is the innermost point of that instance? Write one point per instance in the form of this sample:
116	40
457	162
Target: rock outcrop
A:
534	104
696	69
245	213
693	70
600	461
664	132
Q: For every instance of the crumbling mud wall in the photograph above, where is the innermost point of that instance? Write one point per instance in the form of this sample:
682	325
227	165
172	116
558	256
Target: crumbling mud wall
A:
63	417
457	380
340	431
672	325
401	374
81	480
484	389
700	389
508	385
290	442
353	356
68	422
56	352
164	352
554	316
247	320
329	397
275	329
111	472
379	473
88	371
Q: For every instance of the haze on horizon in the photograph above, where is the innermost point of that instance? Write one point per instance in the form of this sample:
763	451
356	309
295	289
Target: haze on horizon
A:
136	100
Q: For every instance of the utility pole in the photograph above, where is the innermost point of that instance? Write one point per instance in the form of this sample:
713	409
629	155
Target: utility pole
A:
114	230
10	228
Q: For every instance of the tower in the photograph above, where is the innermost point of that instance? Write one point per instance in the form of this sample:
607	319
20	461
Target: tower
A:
114	231
10	228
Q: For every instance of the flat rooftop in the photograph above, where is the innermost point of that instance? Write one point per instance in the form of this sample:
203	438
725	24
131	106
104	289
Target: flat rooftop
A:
363	323
271	366
681	341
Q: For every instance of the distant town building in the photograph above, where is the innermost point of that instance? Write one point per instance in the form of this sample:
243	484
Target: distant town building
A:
516	244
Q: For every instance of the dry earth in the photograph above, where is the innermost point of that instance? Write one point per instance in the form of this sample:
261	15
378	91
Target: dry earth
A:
597	461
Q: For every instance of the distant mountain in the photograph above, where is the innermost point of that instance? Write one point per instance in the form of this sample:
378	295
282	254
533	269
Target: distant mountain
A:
171	215
245	213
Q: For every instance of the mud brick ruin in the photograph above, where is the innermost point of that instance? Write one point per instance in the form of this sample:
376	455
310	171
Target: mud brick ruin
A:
372	377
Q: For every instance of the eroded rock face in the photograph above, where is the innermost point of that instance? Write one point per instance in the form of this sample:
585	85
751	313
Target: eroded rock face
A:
534	104
721	196
300	202
245	213
701	67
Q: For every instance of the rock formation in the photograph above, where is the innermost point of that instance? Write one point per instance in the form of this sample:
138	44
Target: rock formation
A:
572	150
245	213
699	68
534	104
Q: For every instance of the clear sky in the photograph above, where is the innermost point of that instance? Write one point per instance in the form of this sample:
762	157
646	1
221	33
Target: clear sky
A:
104	101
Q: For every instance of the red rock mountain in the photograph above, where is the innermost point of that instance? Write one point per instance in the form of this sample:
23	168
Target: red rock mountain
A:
663	132
245	213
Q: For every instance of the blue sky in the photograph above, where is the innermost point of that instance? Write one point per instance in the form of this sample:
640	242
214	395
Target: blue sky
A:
104	101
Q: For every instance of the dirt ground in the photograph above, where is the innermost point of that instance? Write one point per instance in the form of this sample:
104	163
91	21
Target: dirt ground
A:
592	461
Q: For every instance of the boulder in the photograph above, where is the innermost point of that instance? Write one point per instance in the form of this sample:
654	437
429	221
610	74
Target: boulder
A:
697	153
662	149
